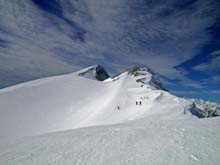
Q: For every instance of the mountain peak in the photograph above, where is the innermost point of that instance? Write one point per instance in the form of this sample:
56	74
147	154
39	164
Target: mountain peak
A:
143	73
96	72
136	71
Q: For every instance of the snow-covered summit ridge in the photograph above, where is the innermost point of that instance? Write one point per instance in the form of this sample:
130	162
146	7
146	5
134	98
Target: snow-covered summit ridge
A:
94	72
147	76
143	75
74	101
198	107
133	112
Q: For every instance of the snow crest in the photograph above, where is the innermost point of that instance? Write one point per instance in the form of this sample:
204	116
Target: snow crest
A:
133	117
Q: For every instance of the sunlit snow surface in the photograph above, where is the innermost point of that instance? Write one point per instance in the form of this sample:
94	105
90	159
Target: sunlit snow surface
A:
149	141
155	132
72	101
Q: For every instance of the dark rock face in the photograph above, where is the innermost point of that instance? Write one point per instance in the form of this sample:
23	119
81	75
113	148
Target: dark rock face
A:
204	109
100	73
155	81
96	72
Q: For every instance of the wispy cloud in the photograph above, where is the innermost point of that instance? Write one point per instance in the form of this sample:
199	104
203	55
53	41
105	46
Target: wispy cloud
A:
216	92
212	67
215	53
116	33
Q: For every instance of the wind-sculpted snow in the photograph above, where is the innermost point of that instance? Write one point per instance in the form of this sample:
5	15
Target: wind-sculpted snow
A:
150	141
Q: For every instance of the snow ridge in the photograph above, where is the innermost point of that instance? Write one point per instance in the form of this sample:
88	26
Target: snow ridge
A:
133	117
76	100
154	81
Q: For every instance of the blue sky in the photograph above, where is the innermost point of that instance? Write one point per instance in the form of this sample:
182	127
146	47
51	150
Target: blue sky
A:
204	69
179	40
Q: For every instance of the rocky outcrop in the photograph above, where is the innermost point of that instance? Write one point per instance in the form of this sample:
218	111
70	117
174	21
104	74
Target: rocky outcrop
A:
204	109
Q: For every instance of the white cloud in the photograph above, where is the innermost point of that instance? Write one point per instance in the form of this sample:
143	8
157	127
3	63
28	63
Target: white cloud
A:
121	33
212	67
216	92
215	53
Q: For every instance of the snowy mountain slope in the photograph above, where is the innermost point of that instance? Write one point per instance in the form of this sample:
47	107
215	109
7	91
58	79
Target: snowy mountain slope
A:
149	141
73	101
135	121
43	104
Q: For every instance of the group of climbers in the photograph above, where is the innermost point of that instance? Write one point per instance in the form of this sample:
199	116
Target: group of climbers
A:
139	103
